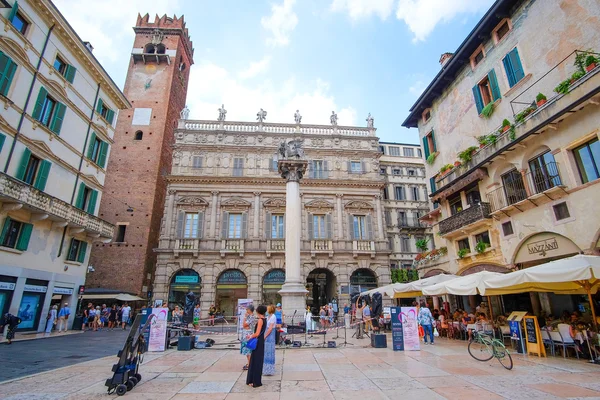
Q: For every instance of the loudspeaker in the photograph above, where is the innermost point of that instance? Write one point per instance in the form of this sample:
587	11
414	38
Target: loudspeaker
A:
331	344
376	304
379	340
185	343
209	342
297	343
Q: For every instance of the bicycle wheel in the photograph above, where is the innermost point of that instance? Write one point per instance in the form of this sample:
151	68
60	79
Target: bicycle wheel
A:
503	355
480	351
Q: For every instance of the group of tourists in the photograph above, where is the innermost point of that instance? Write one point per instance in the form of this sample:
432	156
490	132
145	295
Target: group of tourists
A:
96	318
177	315
258	341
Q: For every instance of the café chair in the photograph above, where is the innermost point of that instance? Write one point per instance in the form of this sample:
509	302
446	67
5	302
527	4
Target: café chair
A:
562	338
547	340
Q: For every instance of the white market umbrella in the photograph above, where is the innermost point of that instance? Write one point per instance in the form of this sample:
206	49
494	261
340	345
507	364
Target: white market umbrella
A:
462	286
382	290
415	288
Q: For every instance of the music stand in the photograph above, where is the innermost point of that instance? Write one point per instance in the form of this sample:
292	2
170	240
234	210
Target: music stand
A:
346	342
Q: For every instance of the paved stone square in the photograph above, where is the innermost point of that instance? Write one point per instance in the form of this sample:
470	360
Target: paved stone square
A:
442	371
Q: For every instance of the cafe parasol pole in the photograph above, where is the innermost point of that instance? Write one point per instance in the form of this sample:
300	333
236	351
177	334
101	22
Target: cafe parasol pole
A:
588	288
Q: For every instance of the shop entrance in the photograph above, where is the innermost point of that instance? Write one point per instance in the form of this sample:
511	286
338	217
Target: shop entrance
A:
362	280
183	282
232	285
272	283
32	303
321	284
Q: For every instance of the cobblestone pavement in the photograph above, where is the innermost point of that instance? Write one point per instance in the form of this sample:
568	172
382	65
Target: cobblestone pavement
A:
442	371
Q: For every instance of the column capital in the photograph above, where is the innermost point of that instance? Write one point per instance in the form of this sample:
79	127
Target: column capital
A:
172	191
292	170
339	195
257	193
214	192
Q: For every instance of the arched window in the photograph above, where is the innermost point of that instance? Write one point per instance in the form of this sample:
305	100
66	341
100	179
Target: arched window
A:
138	135
183	282
160	49
149	49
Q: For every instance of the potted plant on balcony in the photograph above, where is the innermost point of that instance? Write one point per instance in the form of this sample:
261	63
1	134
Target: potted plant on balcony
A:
590	63
540	99
421	244
445	169
481	246
563	87
462	253
577	75
467	155
482	140
431	158
488	110
505	125
443	251
457	164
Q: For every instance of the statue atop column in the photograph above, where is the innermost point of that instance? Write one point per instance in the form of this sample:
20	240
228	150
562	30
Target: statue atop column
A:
333	118
370	121
222	113
298	117
261	116
185	113
292	149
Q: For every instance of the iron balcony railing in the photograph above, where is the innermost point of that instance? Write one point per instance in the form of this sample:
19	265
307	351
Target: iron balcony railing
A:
410	222
544	177
466	217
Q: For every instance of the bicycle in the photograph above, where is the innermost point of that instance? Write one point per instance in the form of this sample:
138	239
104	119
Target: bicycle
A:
484	348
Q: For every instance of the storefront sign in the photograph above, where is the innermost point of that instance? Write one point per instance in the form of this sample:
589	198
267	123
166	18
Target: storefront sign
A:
275	277
158	330
542	246
62	290
410	328
397	332
186	279
35	288
7	286
232	277
545	245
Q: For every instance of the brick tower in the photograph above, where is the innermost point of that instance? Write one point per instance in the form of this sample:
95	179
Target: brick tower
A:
156	86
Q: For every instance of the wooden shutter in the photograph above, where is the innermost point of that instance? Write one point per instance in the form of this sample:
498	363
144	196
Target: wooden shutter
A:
103	153
478	99
244	232
349	167
200	225
13	11
23	164
426	146
2	140
81	252
90	152
5	229
283	233
311	228
224	225
268	226
39	104
7	71
509	70
42	175
325	170
363	167
351	226
79	201
494	85
433	143
110	116
70	73
432	184
99	106
57	118
179	230
328	226
517	67
369	222
92	203
24	236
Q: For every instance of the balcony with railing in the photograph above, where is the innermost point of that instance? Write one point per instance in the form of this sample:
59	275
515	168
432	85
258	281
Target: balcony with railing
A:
534	188
363	247
275	246
321	246
22	195
467	219
232	246
411	223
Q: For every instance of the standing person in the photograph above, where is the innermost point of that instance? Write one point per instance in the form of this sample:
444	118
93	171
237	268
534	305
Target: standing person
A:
197	315
98	318
257	357
331	315
269	363
86	317
63	317
126	311
105	315
247	329
51	320
280	317
322	316
175	315
426	321
112	317
308	320
11	321
346	309
359	319
211	315
92	319
367	318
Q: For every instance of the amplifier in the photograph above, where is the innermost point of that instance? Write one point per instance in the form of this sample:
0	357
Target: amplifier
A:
185	343
331	344
297	343
379	340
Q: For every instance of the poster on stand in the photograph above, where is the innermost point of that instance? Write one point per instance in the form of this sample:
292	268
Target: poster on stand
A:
397	332
158	329
410	328
241	311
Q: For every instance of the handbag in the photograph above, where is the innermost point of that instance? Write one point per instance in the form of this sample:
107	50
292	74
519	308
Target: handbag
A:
251	344
435	332
421	331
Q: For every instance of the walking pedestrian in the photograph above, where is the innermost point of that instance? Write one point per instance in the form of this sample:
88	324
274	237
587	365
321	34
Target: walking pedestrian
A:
86	317
247	329
63	317
112	317
11	322
197	315
126	311
269	363
98	318
359	319
211	315
257	357
280	317
92	318
426	321
367	318
105	316
51	319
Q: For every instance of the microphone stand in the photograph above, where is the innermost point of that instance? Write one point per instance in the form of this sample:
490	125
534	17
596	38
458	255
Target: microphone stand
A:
293	329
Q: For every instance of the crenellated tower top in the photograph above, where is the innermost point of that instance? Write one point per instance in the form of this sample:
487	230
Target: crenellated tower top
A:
168	26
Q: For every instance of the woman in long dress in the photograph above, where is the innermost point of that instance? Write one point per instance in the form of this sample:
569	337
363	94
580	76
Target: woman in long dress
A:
269	364
257	359
51	319
247	329
308	320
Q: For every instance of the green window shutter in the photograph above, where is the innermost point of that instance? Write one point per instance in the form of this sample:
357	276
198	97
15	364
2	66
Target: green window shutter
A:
2	140
432	184
426	147
329	226
102	157
180	224
509	70
81	252
200	225
23	164
13	11
351	226
110	116
515	60
478	99
90	151
433	141
92	203
494	85
244	225
39	104
79	201
57	118
4	229
7	71
70	73
99	106
369	222
311	228
42	175
24	236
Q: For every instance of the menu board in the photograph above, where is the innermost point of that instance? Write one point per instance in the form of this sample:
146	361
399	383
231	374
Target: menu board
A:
530	328
397	332
533	337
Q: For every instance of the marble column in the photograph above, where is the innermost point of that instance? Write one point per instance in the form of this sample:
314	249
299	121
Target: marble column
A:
170	210
340	221
256	214
213	214
380	234
293	292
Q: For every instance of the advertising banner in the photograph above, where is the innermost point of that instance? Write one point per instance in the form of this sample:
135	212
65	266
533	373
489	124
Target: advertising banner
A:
410	328
158	329
397	333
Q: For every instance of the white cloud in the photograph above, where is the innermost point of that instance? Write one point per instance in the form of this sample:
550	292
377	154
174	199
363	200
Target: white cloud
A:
280	23
417	88
256	68
358	9
212	85
422	16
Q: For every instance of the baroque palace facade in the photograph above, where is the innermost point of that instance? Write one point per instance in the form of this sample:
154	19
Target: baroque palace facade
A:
222	233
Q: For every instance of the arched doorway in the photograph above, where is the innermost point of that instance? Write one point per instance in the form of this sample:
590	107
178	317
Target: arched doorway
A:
321	285
362	280
182	282
272	282
231	286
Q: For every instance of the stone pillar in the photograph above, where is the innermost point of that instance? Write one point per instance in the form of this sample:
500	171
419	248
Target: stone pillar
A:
380	234
293	292
170	209
340	220
213	214
436	302
256	214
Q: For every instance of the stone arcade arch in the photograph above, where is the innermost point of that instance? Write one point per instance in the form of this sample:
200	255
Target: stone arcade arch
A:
232	285
271	285
361	280
182	282
321	284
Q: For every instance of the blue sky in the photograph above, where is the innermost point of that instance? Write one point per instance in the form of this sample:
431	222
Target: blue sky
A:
351	56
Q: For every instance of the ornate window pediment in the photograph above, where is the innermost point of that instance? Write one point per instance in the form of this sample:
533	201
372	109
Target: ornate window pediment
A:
318	204
192	201
58	88
235	203
275	202
358	205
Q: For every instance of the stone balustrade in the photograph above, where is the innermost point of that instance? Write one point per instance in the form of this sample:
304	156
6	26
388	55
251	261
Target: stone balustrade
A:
278	128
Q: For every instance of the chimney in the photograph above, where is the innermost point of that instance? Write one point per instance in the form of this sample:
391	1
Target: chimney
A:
89	46
445	58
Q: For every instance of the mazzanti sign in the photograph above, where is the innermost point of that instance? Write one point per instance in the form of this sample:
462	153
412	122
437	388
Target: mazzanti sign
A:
545	245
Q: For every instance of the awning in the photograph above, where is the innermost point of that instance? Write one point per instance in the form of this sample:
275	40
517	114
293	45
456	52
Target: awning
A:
119	296
415	288
462	286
